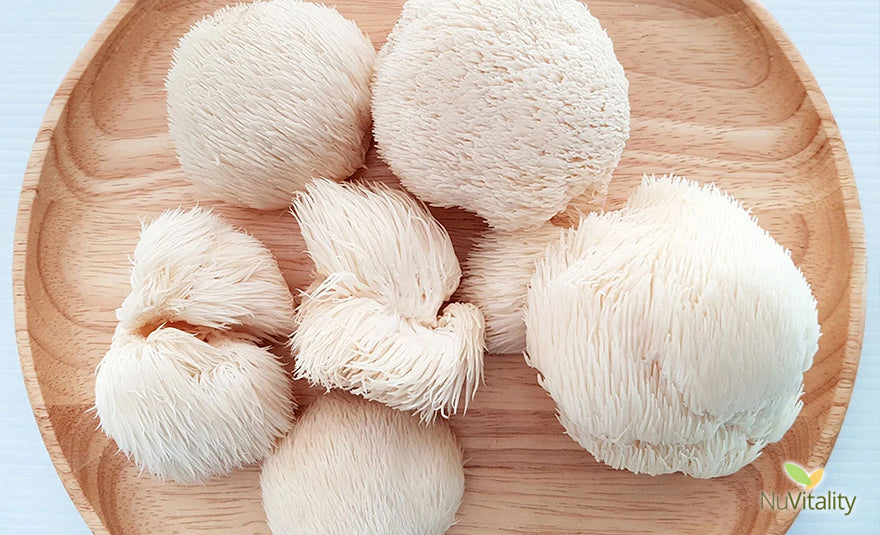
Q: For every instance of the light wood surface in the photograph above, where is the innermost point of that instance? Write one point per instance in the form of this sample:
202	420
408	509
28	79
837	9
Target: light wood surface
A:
718	94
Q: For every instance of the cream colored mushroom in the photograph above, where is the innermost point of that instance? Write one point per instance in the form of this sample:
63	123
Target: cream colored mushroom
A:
369	323
187	408
385	238
191	266
263	97
508	108
673	334
189	389
497	274
351	466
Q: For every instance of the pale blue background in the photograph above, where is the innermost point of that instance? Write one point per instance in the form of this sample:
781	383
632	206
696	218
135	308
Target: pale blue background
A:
40	39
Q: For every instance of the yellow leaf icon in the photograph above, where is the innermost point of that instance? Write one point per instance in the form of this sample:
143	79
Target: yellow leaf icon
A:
815	478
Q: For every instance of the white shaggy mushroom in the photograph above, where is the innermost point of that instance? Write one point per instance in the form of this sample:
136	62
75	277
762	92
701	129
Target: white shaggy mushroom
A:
347	339
187	408
351	466
369	323
263	97
673	334
508	108
497	275
385	238
191	266
187	389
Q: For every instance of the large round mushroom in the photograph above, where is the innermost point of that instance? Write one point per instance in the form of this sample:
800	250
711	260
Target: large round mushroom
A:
352	466
264	97
673	334
508	108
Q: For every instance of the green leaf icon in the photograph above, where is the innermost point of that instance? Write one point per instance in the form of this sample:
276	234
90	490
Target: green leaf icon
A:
797	474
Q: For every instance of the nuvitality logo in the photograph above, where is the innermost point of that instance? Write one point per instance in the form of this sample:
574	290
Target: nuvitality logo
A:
805	499
799	475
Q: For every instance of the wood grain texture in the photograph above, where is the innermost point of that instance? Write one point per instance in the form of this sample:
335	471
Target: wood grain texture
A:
718	94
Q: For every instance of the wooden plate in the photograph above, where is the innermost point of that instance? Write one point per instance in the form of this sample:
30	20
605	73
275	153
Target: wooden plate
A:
718	94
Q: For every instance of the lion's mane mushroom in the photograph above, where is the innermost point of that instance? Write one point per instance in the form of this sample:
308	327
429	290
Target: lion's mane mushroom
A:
191	266
263	97
508	108
369	323
188	389
354	466
497	274
673	334
188	408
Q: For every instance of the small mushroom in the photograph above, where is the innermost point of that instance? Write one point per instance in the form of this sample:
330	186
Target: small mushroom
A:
189	389
186	407
263	97
191	266
350	466
347	339
673	334
509	108
497	274
369	323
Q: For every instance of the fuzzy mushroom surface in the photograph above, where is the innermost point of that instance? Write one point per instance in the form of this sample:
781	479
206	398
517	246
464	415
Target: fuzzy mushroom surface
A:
673	334
188	408
351	466
509	108
189	389
191	266
496	279
372	322
263	97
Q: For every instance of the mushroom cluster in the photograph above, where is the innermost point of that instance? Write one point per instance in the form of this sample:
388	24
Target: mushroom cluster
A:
673	333
189	388
524	125
266	100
